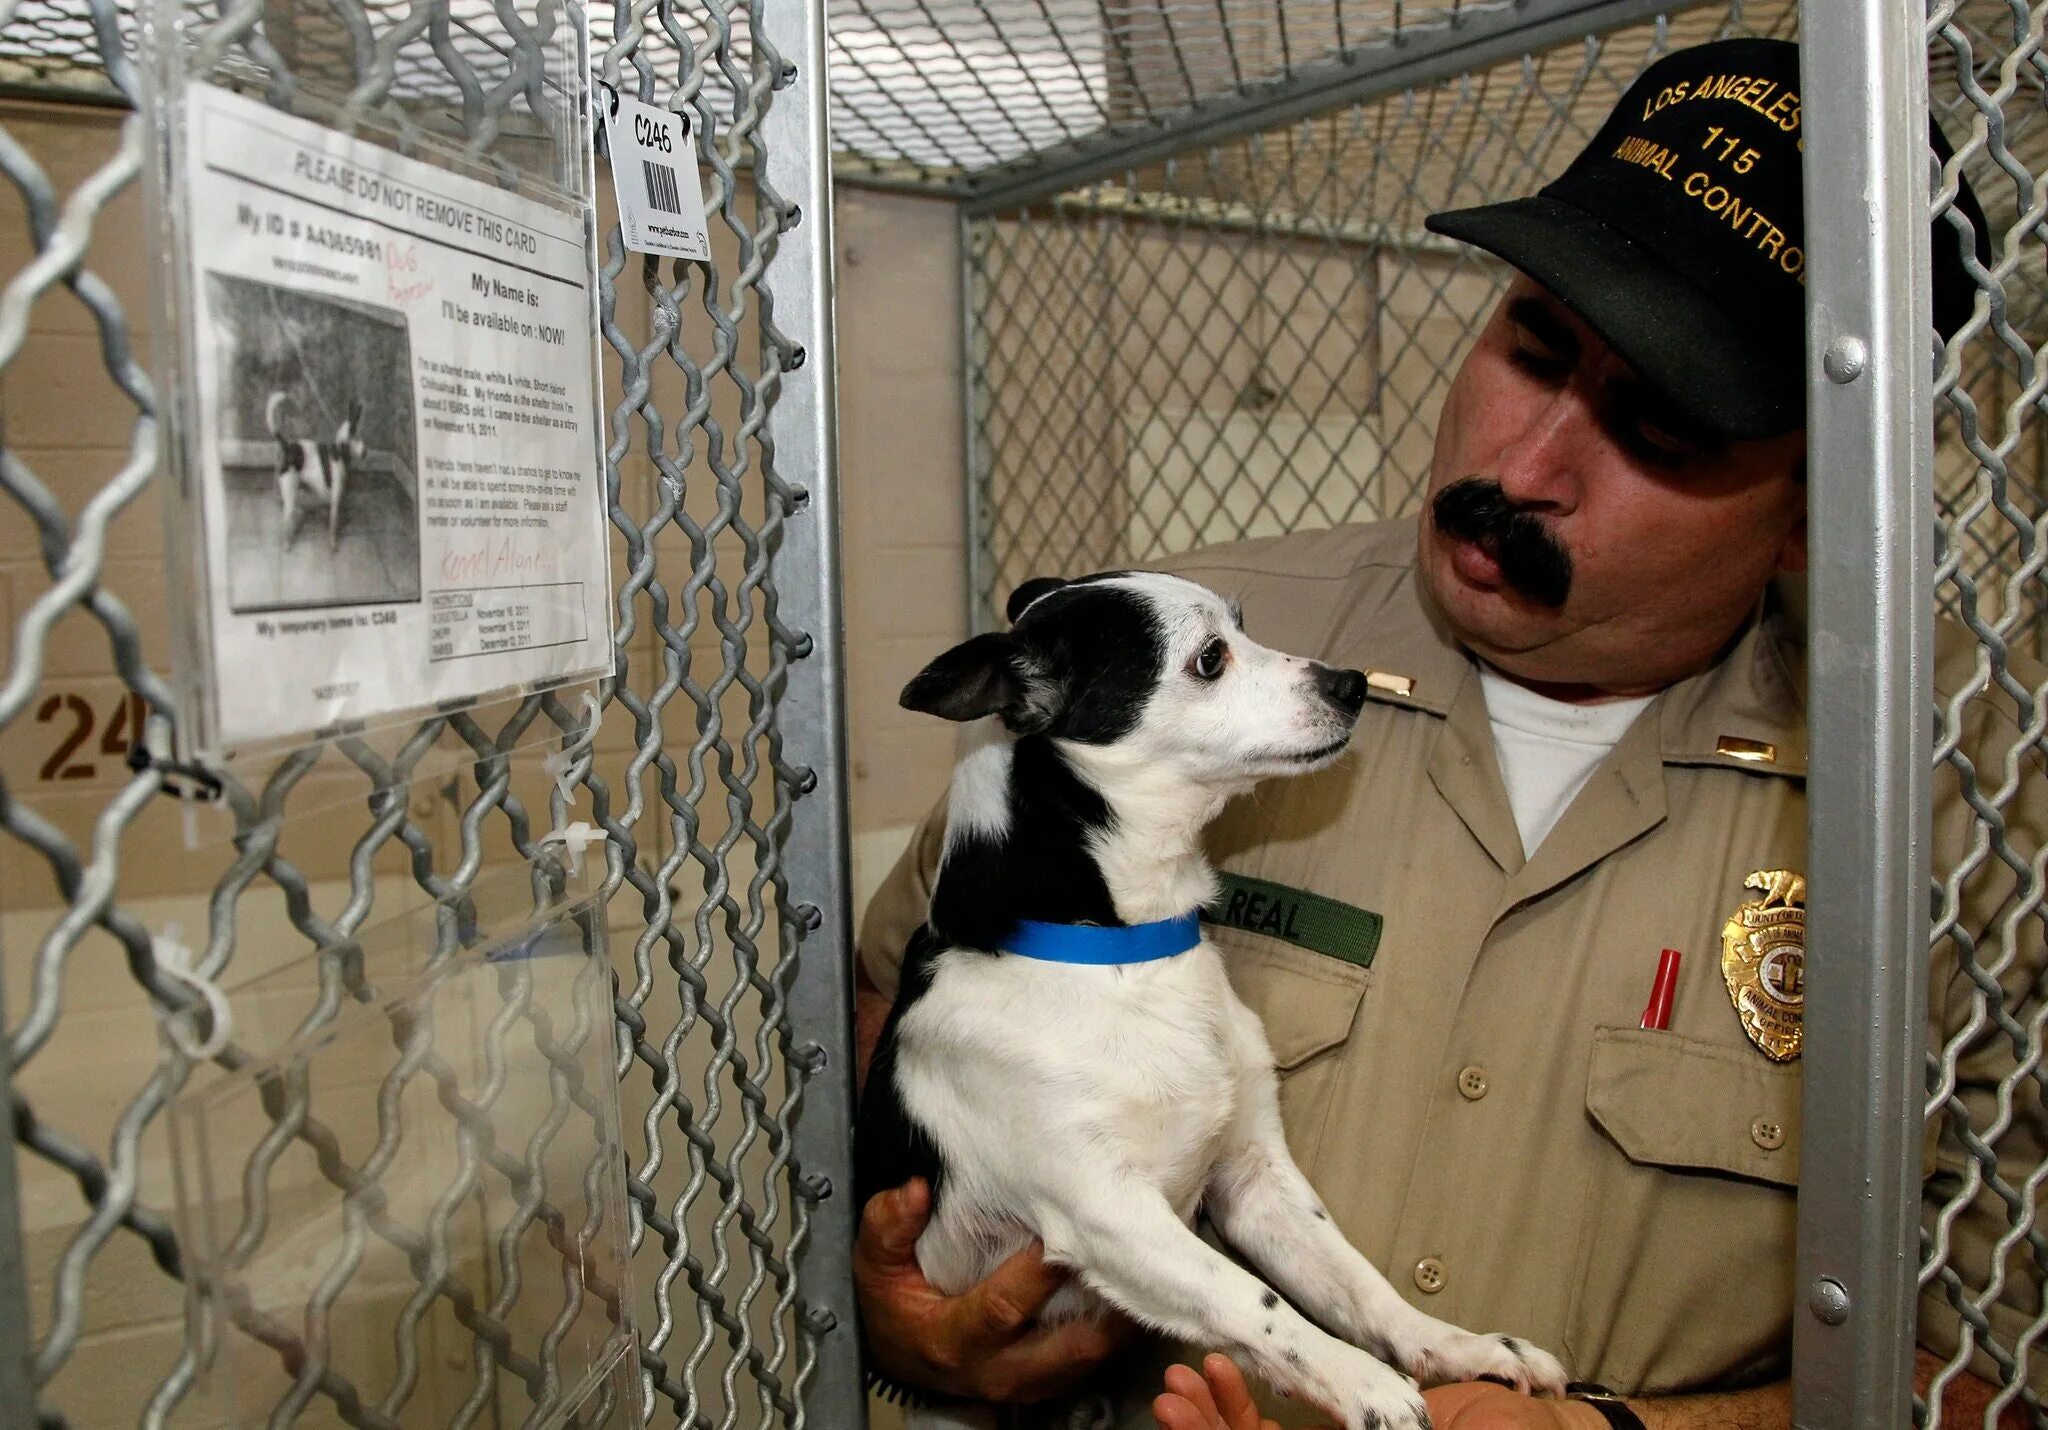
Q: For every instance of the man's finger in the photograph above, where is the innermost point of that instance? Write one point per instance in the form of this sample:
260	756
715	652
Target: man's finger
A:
1233	1397
894	1220
1009	1296
1172	1412
1195	1391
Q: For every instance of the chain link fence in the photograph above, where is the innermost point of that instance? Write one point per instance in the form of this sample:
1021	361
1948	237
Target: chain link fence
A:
1983	1252
709	759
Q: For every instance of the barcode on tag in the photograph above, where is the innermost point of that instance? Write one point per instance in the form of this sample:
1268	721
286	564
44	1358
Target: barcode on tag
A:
661	187
654	175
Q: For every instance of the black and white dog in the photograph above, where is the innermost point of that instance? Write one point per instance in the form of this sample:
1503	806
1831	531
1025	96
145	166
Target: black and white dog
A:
321	468
1098	1103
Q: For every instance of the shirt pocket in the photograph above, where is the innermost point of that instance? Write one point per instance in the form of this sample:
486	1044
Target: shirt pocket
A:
1686	1241
1309	1004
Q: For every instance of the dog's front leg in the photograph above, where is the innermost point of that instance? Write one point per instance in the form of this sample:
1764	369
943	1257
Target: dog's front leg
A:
1263	1205
1127	1245
288	495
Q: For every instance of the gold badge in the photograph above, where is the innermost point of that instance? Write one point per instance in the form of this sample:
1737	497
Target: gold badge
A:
1763	957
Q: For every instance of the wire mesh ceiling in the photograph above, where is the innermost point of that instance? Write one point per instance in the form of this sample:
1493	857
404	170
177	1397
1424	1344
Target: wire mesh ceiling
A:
933	91
926	93
943	91
941	94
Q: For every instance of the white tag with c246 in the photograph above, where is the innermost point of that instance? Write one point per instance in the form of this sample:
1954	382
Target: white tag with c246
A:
654	175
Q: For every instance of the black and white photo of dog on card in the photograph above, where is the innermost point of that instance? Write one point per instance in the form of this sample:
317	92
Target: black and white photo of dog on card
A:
318	478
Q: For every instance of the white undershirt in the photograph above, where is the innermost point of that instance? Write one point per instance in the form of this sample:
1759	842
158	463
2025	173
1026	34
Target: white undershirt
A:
1548	748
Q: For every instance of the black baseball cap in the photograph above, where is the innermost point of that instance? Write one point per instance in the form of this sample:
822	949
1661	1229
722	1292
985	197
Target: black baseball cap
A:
1678	235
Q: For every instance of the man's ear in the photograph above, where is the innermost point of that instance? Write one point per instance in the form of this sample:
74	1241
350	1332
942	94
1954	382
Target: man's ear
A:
1030	591
1792	556
989	675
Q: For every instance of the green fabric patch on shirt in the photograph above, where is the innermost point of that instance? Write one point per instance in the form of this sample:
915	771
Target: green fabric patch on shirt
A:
1311	921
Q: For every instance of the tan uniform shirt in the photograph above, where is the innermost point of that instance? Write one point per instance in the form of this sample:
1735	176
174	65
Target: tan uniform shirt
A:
1473	1099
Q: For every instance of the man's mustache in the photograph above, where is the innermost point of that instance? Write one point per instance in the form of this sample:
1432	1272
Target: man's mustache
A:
1532	561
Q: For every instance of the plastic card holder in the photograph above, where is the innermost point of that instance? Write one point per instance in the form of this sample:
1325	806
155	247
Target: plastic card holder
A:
409	1193
377	324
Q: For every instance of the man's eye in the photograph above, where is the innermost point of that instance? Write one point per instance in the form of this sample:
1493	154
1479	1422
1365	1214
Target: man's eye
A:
1210	660
1661	445
1534	355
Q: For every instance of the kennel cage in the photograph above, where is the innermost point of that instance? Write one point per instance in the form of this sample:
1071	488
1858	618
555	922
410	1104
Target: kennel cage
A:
1198	305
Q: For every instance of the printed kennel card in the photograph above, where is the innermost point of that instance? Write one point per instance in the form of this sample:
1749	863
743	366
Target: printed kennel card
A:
389	431
654	176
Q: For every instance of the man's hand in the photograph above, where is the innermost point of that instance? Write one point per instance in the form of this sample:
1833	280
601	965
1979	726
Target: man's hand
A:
1217	1399
982	1344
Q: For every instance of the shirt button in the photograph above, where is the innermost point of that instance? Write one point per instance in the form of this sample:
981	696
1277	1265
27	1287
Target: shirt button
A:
1767	1134
1472	1083
1429	1275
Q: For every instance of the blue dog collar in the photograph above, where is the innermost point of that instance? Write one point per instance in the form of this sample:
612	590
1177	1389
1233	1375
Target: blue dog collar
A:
1092	944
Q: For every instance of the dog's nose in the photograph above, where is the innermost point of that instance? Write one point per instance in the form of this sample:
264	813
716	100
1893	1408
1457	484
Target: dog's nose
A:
1342	688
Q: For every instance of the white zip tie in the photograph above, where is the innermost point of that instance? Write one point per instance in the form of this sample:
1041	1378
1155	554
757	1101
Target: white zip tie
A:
561	765
574	839
175	958
571	763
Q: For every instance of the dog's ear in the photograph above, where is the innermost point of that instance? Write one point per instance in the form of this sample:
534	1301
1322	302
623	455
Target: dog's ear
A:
1030	591
988	675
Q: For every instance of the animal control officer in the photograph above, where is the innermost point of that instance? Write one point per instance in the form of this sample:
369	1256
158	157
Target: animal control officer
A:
1584	743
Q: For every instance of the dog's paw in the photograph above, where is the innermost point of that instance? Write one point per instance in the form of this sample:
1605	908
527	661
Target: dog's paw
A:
1394	1406
1460	1355
1353	1390
1545	1372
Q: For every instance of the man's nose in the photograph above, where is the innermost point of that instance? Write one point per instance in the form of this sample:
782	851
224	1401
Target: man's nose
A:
1539	468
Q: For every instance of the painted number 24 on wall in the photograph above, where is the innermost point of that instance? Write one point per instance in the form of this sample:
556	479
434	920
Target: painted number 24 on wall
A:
75	718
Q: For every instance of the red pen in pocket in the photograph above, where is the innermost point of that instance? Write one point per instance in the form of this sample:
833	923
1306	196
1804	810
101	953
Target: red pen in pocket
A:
1657	1013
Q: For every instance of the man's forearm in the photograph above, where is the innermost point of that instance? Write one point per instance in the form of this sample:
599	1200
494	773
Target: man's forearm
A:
1767	1407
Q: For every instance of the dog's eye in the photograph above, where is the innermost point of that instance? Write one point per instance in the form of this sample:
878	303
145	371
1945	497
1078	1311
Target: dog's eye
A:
1209	662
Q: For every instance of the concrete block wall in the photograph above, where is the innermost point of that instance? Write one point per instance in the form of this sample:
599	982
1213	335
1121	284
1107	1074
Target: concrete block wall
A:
902	451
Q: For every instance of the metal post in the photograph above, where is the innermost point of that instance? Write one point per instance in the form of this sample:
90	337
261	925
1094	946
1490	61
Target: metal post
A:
1864	79
804	424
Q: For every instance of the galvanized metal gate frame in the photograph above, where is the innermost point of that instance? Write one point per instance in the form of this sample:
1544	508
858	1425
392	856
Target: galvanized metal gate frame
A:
817	850
1870	705
770	61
